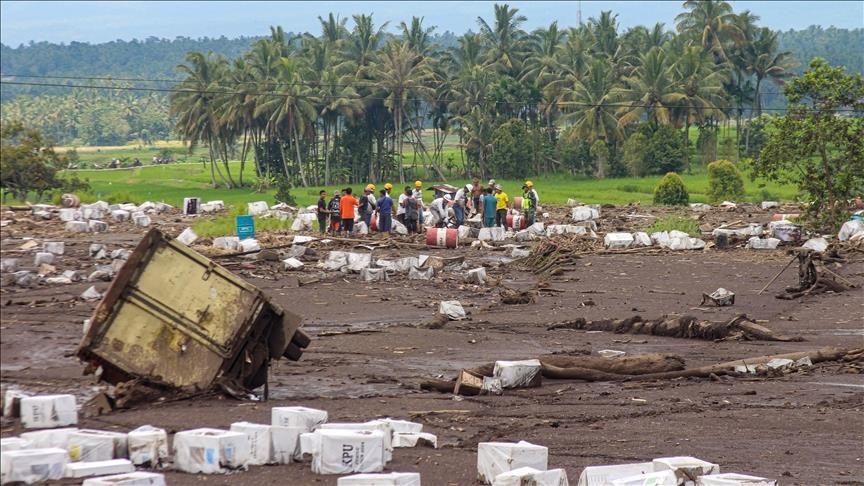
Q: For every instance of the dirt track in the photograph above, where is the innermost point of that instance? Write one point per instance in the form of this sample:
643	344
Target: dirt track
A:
804	428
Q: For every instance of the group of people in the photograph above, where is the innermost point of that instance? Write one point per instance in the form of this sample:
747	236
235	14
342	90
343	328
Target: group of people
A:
491	202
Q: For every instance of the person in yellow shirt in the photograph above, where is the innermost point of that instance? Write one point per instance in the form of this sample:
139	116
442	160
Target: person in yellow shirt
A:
502	202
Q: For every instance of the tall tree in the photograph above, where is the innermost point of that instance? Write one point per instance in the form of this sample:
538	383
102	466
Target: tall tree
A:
504	38
709	22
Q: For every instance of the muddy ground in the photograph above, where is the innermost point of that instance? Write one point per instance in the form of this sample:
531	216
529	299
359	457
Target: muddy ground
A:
803	428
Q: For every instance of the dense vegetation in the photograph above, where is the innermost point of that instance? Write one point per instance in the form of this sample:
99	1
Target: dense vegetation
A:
349	105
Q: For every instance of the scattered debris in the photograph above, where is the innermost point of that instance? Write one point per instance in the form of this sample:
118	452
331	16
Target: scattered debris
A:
452	309
720	297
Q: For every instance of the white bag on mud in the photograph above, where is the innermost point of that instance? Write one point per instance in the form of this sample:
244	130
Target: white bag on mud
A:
452	309
257	208
476	276
733	479
849	229
209	451
517	374
399	228
421	274
97	445
819	245
602	475
641	239
260	441
148	446
337	451
373	275
360	228
381	479
533	477
304	222
494	458
491	234
33	465
464	232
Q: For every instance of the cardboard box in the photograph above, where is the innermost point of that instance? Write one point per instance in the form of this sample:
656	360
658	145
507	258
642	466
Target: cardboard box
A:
494	458
210	450
48	411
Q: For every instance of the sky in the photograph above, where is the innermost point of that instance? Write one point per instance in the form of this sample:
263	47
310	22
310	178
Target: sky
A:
104	21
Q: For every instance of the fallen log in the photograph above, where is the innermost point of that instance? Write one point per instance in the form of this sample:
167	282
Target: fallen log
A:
739	327
816	356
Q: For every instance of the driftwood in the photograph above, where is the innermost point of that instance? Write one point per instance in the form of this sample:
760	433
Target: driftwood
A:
816	356
739	327
814	278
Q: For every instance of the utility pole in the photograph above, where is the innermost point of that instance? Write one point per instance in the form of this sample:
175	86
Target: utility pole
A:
579	12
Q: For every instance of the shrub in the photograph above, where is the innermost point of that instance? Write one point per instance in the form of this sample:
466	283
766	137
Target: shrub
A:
665	151
671	191
724	181
283	192
669	223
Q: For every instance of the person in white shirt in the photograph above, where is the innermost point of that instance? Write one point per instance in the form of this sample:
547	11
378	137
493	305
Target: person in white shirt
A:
438	208
459	202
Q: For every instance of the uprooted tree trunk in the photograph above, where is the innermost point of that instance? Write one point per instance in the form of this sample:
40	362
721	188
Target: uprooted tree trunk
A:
739	327
814	278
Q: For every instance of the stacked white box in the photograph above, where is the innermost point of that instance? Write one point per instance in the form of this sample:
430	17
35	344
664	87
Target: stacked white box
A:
531	476
733	479
686	468
371	425
600	475
403	426
285	444
138	478
660	478
13	444
260	441
148	446
44	439
338	451
32	465
308	418
98	468
48	411
97	445
390	479
209	450
494	458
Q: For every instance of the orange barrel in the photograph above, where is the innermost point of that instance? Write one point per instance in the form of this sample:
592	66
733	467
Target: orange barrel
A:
516	221
785	217
517	203
70	201
442	237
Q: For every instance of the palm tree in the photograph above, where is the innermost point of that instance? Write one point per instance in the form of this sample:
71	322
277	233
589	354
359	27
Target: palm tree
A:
709	22
650	90
542	67
417	36
504	39
765	62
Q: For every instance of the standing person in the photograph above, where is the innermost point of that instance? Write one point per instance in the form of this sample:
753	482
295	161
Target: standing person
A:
489	204
322	210
476	196
529	202
347	204
460	200
335	214
418	196
502	201
367	205
389	188
400	210
411	210
385	212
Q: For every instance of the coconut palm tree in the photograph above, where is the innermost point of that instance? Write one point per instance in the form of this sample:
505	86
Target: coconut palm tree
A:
417	36
504	39
709	22
650	91
766	63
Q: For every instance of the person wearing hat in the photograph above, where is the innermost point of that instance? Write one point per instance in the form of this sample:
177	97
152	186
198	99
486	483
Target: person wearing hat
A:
502	202
438	208
333	208
417	194
460	200
529	202
385	212
389	188
367	204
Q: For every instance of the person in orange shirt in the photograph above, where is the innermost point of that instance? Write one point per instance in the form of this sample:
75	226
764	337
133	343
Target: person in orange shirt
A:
346	208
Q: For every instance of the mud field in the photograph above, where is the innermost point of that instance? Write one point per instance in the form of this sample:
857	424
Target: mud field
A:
371	349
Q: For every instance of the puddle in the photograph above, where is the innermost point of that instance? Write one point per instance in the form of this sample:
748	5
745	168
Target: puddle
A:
846	385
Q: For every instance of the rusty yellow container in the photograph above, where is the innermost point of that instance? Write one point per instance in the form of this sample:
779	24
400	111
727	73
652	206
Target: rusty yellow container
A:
173	317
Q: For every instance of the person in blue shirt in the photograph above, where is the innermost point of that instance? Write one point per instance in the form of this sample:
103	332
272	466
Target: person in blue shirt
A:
489	203
385	212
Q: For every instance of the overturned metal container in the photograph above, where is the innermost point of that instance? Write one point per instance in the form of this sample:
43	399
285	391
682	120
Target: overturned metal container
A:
174	318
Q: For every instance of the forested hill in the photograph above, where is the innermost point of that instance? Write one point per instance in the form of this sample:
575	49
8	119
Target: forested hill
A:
155	58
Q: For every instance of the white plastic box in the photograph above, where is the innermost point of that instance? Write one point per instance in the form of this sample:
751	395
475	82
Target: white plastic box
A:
308	418
686	468
148	446
337	451
44	439
618	240
209	450
733	479
260	441
48	411
390	479
494	458
98	468
532	477
138	478
285	444
97	445
32	465
601	475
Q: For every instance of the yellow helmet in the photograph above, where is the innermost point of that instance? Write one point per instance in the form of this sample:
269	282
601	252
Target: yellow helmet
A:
388	186
529	184
418	184
370	187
